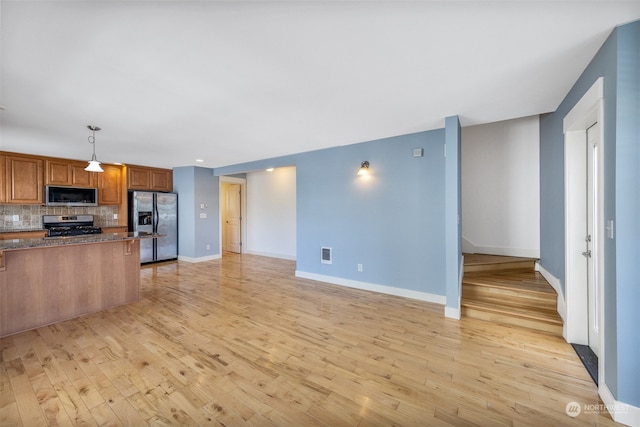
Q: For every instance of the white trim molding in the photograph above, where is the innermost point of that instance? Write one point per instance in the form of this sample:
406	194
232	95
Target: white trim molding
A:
272	255
621	412
389	290
561	305
199	259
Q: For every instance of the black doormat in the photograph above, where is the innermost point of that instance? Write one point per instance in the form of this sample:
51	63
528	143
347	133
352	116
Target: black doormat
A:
589	360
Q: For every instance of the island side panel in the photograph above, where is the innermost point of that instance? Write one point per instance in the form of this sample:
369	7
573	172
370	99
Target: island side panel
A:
40	286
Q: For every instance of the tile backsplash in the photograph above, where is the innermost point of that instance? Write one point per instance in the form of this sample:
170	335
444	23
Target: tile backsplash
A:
30	216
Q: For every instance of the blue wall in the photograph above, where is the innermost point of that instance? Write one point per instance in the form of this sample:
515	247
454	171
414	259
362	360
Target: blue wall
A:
618	62
391	222
453	213
197	186
627	213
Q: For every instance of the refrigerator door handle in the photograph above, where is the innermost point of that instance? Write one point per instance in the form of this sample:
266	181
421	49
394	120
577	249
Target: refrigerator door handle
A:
156	218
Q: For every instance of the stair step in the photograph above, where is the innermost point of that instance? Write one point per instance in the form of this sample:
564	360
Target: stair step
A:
508	291
479	263
541	320
497	296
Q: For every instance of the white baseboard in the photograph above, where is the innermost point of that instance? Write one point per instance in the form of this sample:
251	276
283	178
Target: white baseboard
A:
390	290
622	413
271	255
452	313
519	252
470	247
199	259
561	306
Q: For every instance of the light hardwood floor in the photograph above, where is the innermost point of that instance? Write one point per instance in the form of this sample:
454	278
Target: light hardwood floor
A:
241	341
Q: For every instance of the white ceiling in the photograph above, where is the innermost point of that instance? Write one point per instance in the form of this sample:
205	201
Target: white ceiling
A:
235	81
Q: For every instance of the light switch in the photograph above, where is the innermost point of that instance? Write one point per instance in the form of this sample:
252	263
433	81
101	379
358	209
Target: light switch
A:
203	215
201	205
610	229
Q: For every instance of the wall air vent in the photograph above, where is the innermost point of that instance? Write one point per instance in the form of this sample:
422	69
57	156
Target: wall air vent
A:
325	255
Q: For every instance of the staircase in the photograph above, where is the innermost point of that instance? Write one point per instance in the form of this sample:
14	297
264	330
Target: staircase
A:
508	290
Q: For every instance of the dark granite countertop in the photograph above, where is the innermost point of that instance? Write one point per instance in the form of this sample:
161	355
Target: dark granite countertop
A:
14	244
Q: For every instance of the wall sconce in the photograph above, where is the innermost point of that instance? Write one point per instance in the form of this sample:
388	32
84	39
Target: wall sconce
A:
94	164
364	168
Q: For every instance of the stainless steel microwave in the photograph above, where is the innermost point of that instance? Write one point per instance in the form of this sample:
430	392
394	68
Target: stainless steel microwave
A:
71	196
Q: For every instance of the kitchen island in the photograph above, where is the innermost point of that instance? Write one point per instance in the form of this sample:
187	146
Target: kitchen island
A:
48	280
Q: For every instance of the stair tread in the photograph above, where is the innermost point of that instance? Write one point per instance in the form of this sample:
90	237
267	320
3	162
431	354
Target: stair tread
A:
477	259
524	281
508	290
535	313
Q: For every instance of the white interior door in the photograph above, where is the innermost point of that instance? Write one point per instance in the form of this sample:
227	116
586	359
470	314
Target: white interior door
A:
592	238
232	218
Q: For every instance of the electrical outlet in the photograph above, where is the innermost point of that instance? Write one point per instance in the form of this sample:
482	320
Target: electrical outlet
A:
115	216
208	247
16	218
360	267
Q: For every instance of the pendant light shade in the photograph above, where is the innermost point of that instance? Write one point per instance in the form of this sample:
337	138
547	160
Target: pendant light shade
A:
94	164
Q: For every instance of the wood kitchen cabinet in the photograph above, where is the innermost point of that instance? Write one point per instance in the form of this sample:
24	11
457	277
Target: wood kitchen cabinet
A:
68	172
24	179
110	185
149	179
3	189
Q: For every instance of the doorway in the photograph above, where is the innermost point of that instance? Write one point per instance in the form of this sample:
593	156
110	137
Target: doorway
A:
584	225
232	214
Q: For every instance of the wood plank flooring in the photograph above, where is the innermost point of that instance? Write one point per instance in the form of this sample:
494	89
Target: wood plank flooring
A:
242	342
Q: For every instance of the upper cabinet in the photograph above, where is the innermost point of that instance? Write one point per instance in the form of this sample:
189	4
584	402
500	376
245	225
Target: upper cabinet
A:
150	179
24	179
3	189
68	172
110	185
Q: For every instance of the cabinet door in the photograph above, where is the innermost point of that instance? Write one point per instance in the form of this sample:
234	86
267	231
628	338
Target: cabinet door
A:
3	186
161	180
138	178
25	177
81	177
110	185
57	172
68	172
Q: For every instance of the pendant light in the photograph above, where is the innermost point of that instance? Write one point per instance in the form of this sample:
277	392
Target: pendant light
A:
94	164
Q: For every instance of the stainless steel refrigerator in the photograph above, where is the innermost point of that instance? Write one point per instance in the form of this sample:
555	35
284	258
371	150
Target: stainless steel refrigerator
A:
155	213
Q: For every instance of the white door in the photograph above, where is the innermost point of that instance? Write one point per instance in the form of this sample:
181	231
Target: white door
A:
233	218
591	237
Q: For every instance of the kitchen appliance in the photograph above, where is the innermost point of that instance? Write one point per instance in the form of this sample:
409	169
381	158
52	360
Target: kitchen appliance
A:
70	196
69	225
155	212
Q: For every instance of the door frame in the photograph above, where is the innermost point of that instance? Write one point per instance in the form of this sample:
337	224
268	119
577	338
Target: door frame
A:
586	112
243	209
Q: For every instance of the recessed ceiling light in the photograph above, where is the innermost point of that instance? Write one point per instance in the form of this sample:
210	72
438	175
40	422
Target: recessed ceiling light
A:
199	160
